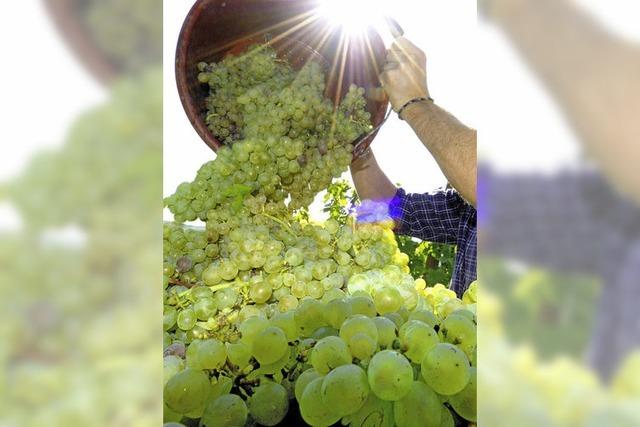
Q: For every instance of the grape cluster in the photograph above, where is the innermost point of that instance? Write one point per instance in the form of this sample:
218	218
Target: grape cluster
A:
265	310
346	359
212	272
286	142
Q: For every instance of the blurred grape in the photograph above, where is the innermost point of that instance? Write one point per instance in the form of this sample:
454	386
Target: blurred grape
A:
79	342
129	32
560	237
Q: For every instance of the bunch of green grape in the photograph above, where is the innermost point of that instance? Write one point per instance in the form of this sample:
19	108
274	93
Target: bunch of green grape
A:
237	264
265	310
285	140
346	359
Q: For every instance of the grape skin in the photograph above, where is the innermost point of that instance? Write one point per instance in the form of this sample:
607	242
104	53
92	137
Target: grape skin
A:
446	369
345	389
269	403
390	375
420	407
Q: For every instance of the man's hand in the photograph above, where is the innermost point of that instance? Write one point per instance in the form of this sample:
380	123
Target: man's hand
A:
405	73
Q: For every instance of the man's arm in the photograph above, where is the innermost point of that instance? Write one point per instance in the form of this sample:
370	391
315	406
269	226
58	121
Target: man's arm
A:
371	183
592	74
452	144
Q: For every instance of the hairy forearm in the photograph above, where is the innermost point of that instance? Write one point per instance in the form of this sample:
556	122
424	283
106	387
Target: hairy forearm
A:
370	182
452	144
592	74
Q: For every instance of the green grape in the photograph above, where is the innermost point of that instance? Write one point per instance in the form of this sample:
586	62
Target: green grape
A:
387	300
329	353
228	270
260	292
238	354
449	307
186	319
417	340
374	413
211	275
419	408
465	313
333	294
228	410
446	419
396	318
287	323
457	329
325	331
201	292
299	290
336	312
315	289
211	354
408	325
294	257
362	346
312	408
287	303
249	311
446	369
269	403
205	308
470	295
303	381
169	416
425	316
362	305
191	355
186	391
345	389
169	318
269	345
251	327
390	375
465	401
171	365
309	316
226	298
386	331
358	324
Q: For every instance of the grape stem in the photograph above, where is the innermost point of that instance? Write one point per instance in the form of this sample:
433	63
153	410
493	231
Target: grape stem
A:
221	287
282	223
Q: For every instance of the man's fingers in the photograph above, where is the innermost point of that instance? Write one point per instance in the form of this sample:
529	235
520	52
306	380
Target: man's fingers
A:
391	65
396	56
403	43
403	48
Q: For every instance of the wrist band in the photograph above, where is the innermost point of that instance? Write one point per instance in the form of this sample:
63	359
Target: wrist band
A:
413	101
364	155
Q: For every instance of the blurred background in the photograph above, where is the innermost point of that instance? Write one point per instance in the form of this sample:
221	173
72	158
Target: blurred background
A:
559	213
80	186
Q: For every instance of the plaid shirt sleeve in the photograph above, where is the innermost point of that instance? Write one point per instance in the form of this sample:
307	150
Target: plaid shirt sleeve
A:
434	217
552	221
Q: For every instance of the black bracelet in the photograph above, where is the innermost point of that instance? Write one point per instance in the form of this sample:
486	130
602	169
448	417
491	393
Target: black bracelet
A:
413	101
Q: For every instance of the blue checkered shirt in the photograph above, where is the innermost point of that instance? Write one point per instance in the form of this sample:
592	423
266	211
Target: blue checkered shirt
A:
441	217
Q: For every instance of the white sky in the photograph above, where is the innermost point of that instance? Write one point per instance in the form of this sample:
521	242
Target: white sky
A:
469	66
